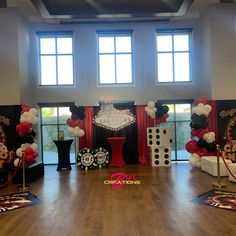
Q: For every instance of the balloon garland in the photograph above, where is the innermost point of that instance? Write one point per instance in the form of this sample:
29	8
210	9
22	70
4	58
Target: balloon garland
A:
77	114
203	142
24	139
157	111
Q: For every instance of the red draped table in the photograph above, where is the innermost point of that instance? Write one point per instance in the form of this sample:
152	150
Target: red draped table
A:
116	149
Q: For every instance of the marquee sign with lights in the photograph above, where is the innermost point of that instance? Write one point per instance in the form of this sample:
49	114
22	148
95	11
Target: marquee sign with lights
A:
113	119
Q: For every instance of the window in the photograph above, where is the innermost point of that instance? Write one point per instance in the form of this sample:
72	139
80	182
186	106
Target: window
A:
115	57
179	118
53	119
174	55
55	58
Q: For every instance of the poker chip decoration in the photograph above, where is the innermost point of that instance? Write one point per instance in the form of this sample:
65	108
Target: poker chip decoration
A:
86	159
102	156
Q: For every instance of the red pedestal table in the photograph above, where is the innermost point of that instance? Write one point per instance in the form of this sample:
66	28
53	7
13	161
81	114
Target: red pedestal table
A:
116	149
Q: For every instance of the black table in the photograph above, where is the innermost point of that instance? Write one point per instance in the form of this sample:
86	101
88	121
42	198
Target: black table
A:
63	147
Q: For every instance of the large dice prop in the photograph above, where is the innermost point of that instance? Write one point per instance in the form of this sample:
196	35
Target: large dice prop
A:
159	140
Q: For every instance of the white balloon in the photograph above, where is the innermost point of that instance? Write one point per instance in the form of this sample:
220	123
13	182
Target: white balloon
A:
195	160
151	104
76	132
153	116
25	114
209	137
17	162
29	119
19	152
208	108
34	146
33	111
77	128
35	120
81	133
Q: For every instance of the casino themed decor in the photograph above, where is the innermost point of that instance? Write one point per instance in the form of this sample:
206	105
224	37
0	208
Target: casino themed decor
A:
77	114
9	118
91	159
157	111
203	142
17	200
217	198
159	140
102	157
113	122
27	150
113	119
86	159
226	119
3	155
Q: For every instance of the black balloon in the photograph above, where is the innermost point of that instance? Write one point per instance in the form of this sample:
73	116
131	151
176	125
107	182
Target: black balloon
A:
161	109
211	147
202	143
198	121
77	112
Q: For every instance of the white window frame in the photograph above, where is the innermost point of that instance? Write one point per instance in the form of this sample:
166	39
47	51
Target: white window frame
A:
115	33
55	34
173	32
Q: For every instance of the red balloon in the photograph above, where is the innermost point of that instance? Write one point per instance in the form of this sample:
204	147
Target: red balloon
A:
29	158
191	146
202	152
35	154
77	122
25	108
202	100
70	122
28	151
161	119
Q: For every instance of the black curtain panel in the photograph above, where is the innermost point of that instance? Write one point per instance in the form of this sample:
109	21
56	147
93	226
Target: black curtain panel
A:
226	121
130	147
9	118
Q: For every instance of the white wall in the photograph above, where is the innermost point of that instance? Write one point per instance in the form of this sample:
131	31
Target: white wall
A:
14	58
214	59
86	91
223	52
26	96
9	63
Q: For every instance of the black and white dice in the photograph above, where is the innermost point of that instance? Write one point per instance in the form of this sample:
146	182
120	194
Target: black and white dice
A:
160	156
159	136
159	140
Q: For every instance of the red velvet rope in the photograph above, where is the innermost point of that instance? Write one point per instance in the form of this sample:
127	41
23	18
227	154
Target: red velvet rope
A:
228	167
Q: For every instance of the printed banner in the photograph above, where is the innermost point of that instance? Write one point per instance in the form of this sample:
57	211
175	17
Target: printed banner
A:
226	122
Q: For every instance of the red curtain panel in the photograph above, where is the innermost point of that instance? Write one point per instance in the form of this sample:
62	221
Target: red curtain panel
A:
143	122
87	125
212	117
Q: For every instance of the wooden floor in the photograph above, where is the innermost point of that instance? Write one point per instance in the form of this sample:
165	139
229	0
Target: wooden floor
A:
79	203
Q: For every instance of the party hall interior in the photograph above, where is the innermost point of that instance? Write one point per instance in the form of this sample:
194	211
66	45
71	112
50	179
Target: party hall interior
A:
109	107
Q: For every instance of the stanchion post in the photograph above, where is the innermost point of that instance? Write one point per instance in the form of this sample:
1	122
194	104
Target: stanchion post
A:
218	184
23	187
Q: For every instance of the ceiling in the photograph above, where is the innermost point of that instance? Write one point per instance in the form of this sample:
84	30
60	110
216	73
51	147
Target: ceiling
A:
109	10
92	9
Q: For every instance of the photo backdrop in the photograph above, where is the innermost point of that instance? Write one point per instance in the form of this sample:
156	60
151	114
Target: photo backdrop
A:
226	121
130	147
9	118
